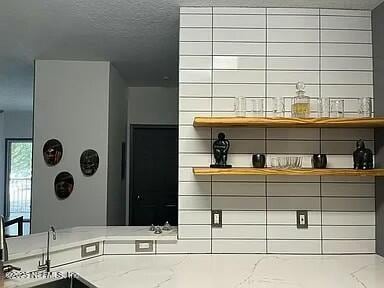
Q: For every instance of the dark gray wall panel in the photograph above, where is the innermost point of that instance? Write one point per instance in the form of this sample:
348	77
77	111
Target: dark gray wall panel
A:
378	54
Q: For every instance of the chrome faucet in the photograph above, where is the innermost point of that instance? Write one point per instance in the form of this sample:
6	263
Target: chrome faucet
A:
4	249
47	263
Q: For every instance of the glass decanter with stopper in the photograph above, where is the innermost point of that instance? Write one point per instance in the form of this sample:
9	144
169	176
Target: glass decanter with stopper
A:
301	103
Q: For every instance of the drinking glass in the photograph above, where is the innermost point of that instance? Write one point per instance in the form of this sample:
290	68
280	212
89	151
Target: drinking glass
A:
236	105
326	103
258	107
278	107
337	108
243	106
322	107
240	106
274	163
365	107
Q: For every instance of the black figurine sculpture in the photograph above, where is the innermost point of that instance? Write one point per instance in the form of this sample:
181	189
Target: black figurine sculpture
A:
362	157
220	152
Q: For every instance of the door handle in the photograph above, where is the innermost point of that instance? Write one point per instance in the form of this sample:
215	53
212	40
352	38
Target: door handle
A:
170	205
138	197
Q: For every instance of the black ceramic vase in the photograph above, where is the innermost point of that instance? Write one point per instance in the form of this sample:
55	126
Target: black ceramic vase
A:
258	160
319	161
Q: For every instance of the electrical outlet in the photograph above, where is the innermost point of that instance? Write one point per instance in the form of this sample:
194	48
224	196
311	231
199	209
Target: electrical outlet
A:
90	249
217	216
144	246
302	219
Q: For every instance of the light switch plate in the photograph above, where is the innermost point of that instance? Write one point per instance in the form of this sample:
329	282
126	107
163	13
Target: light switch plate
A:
302	219
217	218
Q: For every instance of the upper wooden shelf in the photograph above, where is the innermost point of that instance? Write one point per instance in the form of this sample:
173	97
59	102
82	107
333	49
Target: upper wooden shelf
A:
288	172
288	122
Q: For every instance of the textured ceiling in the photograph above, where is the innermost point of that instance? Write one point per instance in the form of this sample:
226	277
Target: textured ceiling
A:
139	37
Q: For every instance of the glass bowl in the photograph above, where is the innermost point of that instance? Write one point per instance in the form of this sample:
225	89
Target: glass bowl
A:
287	162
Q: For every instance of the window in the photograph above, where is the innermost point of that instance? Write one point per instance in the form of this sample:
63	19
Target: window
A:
18	183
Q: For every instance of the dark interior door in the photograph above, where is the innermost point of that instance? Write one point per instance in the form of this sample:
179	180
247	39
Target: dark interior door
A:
153	175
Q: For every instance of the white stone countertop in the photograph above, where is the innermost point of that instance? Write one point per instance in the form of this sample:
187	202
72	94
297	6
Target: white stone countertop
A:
35	244
224	271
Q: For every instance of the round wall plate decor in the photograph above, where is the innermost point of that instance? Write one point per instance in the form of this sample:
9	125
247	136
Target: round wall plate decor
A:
63	185
89	162
52	152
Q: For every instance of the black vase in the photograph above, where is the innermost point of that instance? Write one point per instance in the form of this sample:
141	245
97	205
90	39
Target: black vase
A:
258	160
319	161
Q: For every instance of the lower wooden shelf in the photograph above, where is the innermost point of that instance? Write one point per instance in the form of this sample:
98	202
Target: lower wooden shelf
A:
288	172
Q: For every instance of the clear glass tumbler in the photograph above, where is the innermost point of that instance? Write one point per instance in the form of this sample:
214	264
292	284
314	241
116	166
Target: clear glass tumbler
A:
326	103
257	107
322	107
365	107
278	106
240	106
243	106
337	108
236	105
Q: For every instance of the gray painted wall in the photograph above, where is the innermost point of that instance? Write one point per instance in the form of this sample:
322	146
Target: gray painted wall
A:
71	104
18	124
116	136
2	159
150	105
378	54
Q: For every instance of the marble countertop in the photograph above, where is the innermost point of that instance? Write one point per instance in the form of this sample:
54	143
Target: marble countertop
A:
35	244
235	271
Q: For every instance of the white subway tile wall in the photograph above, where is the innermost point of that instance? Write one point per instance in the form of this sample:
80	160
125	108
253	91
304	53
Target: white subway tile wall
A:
261	53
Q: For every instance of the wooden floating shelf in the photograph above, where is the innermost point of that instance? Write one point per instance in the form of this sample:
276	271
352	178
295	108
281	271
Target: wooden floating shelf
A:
288	122
288	172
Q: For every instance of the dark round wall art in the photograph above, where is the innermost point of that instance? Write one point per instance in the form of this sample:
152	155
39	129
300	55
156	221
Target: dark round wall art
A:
52	152
89	162
63	185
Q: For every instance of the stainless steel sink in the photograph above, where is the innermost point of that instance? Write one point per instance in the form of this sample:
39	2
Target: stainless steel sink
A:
73	282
